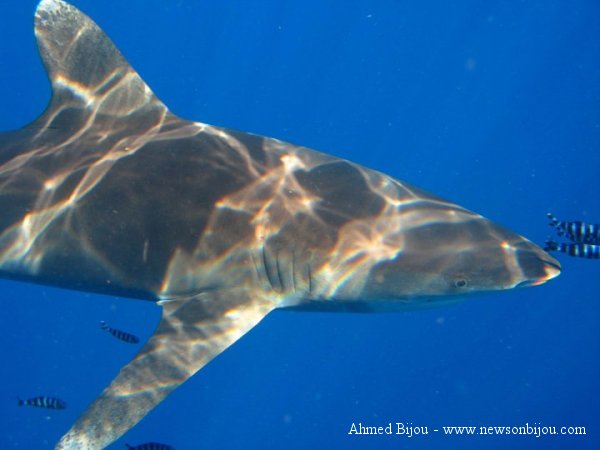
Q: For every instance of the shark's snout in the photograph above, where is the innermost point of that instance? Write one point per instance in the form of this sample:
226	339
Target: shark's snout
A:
551	269
537	266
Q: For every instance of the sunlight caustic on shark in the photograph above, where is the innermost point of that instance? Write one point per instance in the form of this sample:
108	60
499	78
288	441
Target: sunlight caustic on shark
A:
108	191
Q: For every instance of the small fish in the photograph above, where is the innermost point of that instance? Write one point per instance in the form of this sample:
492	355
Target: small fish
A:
44	402
587	233
150	446
122	335
579	249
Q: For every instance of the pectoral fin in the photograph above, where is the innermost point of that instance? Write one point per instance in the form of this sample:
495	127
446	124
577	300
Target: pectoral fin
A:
192	331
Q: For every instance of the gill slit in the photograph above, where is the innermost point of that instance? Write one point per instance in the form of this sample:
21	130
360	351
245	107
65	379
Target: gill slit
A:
268	273
310	281
294	272
279	274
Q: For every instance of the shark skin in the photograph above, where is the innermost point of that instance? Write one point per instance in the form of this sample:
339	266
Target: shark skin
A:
109	192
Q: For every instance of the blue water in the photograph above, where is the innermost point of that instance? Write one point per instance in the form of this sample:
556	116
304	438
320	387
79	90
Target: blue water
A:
495	105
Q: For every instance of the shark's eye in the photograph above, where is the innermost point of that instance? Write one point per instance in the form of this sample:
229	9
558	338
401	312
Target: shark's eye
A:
460	283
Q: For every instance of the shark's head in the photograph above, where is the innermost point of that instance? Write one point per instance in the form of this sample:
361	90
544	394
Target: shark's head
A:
385	239
458	252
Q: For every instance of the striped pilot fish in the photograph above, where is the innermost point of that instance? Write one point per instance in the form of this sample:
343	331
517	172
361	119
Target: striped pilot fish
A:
580	249
587	233
119	334
584	237
44	402
150	446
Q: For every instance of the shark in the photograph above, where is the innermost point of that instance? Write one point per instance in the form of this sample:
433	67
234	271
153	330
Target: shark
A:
107	191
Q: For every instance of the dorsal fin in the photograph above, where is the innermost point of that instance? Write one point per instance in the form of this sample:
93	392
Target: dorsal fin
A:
85	68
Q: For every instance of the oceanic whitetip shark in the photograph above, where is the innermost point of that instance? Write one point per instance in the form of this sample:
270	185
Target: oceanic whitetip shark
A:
108	191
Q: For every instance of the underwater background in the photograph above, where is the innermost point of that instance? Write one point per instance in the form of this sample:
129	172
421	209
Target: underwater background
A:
494	105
